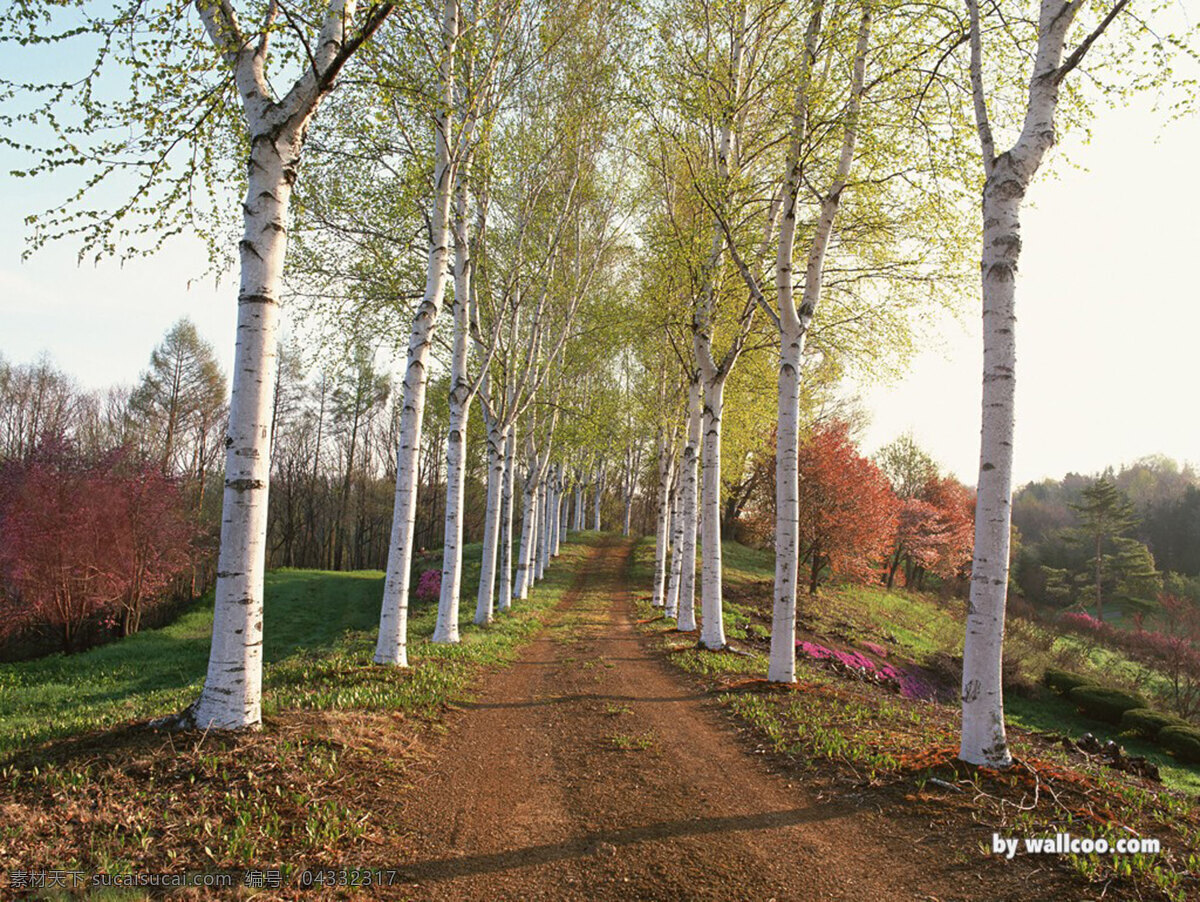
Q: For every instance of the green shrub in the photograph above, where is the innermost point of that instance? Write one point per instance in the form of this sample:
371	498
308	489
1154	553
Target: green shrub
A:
1184	741
1103	703
1063	680
1147	722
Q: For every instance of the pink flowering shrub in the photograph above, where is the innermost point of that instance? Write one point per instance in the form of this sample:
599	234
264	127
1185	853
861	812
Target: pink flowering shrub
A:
429	586
877	650
1079	622
1175	653
858	665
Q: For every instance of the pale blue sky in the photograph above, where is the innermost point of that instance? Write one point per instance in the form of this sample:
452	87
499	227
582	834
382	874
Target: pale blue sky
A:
1108	309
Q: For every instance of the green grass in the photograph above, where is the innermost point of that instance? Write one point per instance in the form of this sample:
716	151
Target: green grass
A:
337	735
918	627
742	563
844	733
1050	713
318	638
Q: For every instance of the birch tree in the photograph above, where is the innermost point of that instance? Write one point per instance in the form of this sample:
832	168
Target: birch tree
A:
175	105
392	644
718	50
1007	177
793	320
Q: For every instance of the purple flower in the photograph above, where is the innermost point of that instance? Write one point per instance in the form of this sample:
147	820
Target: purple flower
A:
429	586
875	649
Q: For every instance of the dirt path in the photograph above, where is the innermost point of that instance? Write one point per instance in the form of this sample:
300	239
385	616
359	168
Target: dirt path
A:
588	770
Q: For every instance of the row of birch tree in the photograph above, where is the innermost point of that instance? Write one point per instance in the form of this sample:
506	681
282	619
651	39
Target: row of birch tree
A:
597	219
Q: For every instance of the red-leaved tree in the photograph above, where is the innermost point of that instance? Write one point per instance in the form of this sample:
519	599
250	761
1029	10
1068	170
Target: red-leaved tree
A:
52	546
848	510
934	532
79	540
151	534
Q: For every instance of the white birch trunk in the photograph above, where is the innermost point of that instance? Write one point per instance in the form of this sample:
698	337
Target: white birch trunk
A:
497	443
712	624
446	630
556	511
782	664
543	547
232	693
577	508
599	494
504	599
984	741
565	517
691	477
528	537
671	603
392	645
662	523
461	394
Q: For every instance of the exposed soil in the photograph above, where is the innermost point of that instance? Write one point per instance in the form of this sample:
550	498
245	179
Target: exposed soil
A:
589	769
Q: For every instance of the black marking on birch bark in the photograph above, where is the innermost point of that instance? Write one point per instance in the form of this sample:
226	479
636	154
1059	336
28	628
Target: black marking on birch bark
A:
1008	189
245	485
257	299
1000	272
971	691
1011	243
247	246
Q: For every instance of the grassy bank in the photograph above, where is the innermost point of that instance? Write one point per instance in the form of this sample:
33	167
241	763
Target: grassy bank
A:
85	788
855	736
318	627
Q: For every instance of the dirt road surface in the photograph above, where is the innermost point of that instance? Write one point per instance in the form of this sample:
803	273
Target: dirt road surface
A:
589	770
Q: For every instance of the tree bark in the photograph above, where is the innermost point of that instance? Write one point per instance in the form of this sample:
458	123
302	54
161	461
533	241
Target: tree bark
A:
528	533
497	443
712	624
599	494
462	392
232	694
504	601
984	740
662	522
542	554
671	603
392	645
686	619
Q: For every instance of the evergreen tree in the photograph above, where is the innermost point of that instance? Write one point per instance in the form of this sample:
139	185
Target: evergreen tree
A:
180	404
1135	581
1105	516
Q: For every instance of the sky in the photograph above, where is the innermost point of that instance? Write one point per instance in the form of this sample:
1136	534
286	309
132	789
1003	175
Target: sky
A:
1108	309
1108	316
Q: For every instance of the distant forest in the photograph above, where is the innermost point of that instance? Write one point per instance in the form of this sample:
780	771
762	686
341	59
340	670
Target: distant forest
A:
1133	532
65	449
124	485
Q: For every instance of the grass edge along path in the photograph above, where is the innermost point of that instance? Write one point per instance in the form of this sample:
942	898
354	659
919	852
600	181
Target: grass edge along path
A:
843	736
311	788
317	629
